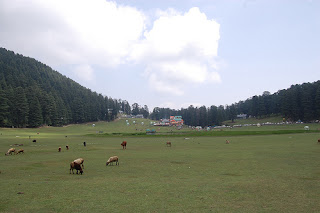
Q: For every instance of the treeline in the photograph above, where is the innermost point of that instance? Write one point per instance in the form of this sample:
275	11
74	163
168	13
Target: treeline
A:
32	95
136	110
299	102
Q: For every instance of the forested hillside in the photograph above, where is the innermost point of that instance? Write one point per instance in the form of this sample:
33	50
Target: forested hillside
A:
299	102
32	94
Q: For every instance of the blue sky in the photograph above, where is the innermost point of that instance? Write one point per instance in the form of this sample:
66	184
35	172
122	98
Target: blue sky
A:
170	53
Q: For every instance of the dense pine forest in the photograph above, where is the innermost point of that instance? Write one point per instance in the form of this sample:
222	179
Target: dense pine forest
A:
299	102
32	95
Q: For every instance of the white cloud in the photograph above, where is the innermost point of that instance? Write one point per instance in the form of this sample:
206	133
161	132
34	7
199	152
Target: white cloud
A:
179	50
59	32
84	72
159	85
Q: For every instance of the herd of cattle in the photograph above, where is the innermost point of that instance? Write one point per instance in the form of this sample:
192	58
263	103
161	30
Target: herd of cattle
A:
78	163
13	150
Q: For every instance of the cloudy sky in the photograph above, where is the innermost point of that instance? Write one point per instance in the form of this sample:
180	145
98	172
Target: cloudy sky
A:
170	53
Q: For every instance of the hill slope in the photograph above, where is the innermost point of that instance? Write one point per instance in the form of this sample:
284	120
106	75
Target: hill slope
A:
32	94
299	102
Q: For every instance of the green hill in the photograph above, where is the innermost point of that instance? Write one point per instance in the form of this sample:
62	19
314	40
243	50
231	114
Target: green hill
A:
32	95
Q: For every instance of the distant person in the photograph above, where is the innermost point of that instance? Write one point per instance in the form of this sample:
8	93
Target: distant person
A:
84	144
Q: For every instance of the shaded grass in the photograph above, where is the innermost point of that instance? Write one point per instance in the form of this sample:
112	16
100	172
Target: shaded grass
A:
272	119
205	133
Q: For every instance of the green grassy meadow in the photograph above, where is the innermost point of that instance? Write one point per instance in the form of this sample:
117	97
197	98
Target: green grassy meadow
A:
254	173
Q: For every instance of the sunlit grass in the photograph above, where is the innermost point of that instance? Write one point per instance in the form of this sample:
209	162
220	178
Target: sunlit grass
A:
259	173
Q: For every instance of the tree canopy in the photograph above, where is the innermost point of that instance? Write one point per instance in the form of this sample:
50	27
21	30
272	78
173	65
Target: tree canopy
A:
32	94
299	102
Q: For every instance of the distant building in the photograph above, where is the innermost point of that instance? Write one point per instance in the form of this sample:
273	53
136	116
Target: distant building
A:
173	121
176	121
242	116
163	122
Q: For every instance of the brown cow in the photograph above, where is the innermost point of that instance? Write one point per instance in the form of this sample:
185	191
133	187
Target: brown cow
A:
124	145
59	149
10	151
319	140
168	143
76	166
20	151
227	142
67	147
113	159
79	161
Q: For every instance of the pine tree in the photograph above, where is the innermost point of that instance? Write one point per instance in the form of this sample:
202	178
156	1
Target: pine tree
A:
62	114
213	115
203	116
35	114
220	115
78	114
285	103
10	99
254	111
317	102
135	109
3	109
307	102
145	111
20	108
295	105
155	115
233	112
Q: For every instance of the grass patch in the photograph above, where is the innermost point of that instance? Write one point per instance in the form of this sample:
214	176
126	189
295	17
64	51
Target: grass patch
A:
272	119
261	172
206	133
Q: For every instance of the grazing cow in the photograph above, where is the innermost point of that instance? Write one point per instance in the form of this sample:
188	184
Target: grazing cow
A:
168	143
67	147
79	161
227	142
74	165
319	140
20	151
59	149
113	159
84	144
34	141
10	151
124	144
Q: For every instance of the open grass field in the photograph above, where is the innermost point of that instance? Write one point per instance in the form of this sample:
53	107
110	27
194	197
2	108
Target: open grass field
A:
257	173
272	119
